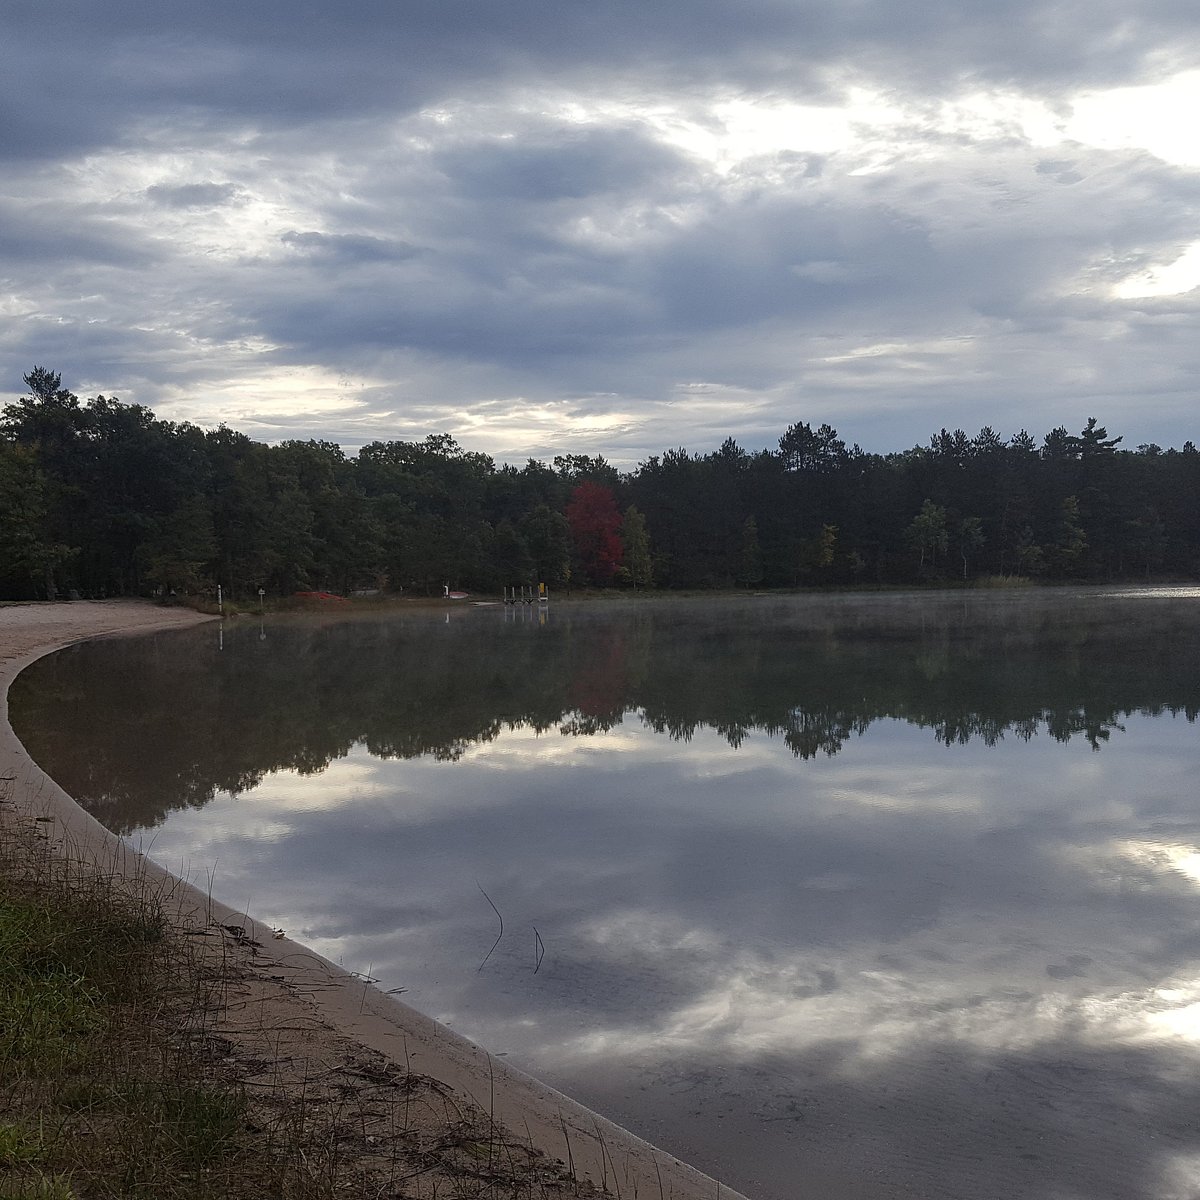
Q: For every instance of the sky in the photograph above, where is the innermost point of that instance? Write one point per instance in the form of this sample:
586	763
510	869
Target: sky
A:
607	228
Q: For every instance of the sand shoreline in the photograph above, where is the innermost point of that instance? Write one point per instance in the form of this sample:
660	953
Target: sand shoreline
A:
298	988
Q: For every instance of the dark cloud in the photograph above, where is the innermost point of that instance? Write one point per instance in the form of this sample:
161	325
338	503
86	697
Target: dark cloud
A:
194	195
919	253
36	236
346	248
281	63
555	163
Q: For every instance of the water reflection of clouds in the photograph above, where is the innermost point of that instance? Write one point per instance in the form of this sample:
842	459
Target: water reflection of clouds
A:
956	867
756	1005
704	754
1150	858
516	749
839	919
356	780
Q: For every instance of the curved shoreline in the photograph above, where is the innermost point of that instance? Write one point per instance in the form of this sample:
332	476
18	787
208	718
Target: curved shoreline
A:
296	985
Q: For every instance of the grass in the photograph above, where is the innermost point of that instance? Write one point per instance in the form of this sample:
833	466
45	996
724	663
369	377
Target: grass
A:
95	1097
124	1071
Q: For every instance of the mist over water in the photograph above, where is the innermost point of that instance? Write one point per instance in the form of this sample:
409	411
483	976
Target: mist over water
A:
858	895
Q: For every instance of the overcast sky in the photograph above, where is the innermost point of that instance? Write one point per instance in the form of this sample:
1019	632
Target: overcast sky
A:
607	228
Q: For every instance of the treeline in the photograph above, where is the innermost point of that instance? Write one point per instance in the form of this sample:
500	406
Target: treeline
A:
102	498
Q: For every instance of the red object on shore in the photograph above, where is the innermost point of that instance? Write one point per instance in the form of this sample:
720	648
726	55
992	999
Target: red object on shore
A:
320	596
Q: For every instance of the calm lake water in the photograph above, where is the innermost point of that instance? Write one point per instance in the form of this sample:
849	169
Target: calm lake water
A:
856	896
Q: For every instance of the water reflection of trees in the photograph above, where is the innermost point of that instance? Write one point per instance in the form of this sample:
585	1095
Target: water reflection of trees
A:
189	719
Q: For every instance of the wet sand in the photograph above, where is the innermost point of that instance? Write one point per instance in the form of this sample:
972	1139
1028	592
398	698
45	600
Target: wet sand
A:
312	1014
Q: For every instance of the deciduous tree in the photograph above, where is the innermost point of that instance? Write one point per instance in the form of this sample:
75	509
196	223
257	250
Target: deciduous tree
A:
635	542
595	531
927	533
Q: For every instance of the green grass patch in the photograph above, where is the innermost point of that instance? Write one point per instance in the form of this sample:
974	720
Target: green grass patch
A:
97	1095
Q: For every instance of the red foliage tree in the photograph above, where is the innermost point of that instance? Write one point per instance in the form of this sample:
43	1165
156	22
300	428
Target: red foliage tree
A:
596	531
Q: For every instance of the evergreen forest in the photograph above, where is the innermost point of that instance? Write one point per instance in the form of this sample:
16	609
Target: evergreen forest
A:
102	498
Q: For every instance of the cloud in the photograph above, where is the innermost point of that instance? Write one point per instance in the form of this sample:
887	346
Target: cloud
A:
345	249
610	210
549	162
193	195
277	64
36	240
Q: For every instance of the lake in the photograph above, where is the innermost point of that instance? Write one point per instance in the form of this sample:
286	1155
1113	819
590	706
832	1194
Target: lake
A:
857	895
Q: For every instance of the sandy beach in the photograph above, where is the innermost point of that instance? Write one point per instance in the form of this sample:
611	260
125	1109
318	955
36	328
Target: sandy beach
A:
311	1018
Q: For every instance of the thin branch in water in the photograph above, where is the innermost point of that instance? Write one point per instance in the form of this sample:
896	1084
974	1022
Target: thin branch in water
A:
498	936
539	950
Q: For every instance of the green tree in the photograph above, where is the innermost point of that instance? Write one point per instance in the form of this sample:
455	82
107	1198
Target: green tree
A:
1093	441
514	562
927	534
28	555
673	494
548	539
751	572
804	449
1146	539
816	553
635	540
1063	554
49	422
970	540
242	498
1030	558
575	469
177	555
